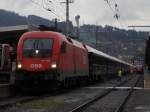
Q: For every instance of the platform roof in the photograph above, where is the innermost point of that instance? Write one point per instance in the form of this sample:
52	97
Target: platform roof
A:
13	28
11	34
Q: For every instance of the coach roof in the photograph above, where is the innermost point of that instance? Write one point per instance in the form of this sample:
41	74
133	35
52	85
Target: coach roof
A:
90	49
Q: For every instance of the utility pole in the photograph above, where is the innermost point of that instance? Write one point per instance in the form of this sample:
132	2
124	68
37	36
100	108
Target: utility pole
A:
67	14
96	36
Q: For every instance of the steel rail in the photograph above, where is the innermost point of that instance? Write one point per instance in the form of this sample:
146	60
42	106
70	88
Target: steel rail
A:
96	98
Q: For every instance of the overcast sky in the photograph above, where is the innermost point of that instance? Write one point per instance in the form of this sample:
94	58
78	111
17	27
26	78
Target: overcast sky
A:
132	12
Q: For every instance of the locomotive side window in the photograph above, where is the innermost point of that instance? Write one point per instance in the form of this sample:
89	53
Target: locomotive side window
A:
63	47
37	47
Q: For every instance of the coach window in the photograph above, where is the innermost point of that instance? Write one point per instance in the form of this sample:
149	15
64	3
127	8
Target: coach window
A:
63	47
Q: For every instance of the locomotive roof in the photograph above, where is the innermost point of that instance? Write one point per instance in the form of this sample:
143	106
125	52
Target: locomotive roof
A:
90	49
42	32
74	42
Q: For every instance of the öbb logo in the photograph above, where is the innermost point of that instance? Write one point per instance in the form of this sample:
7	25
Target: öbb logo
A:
36	66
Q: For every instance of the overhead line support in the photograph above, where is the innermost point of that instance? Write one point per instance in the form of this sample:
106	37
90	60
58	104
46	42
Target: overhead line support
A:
67	14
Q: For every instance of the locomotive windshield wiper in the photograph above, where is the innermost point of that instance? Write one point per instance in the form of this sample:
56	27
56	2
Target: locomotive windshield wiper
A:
35	44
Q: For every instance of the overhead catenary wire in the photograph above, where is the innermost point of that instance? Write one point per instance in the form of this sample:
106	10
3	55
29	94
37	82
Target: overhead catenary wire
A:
60	7
118	10
114	1
116	16
50	2
48	9
110	6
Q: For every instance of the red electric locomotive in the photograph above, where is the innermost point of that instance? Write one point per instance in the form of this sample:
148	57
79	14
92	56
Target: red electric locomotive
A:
50	58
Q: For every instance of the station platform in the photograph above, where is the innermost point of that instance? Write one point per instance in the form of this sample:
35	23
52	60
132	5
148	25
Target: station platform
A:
139	102
5	90
140	99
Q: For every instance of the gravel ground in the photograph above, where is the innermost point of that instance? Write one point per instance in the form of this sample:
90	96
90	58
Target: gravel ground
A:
62	102
139	102
108	103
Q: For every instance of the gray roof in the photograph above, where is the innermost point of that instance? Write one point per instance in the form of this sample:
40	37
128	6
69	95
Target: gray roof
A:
90	49
14	28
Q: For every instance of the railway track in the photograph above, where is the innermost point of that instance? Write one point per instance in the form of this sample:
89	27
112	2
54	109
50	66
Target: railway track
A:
87	104
23	99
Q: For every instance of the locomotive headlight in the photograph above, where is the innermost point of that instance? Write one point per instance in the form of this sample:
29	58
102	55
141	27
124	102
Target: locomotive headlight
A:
19	64
54	65
37	51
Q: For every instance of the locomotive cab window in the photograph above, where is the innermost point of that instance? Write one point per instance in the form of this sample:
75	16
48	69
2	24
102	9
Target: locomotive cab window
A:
37	47
63	47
